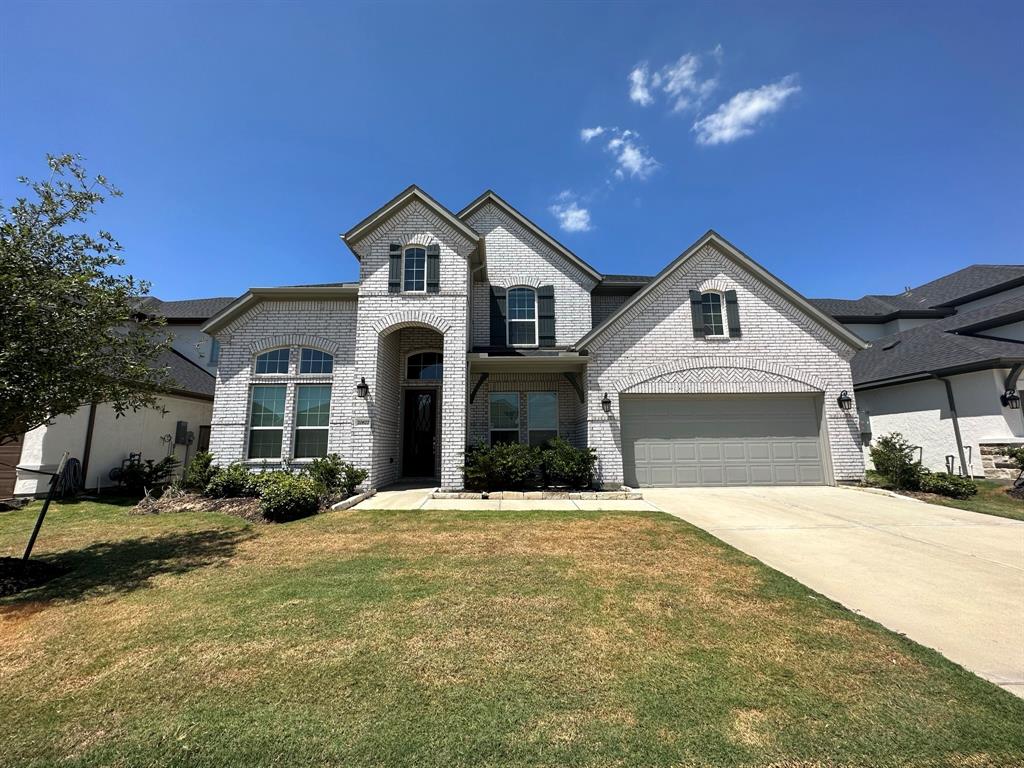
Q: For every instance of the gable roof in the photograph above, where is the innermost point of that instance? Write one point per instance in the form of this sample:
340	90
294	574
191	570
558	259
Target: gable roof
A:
489	196
397	204
254	296
736	255
186	309
185	376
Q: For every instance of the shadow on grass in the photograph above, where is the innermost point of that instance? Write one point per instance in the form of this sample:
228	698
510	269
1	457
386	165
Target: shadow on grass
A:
118	567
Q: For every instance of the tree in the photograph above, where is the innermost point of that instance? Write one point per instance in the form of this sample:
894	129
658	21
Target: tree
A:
72	330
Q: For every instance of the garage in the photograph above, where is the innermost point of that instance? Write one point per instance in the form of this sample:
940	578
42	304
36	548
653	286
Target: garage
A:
686	440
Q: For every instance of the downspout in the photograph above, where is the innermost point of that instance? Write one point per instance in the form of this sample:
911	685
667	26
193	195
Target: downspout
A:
87	450
956	423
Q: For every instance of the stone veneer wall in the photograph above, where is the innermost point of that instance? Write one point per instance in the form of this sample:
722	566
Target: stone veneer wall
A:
995	464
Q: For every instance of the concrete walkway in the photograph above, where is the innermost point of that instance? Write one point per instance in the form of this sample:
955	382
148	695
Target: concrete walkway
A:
949	579
419	498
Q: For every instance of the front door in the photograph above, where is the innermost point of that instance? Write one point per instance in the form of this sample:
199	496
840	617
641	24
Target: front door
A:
419	429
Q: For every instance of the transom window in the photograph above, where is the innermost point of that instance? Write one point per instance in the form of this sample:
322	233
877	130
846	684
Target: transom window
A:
541	417
424	365
312	415
266	422
274	361
522	317
504	417
414	270
711	313
315	361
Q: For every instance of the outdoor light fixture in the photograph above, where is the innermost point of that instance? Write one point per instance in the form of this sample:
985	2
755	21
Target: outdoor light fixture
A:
362	388
844	400
1010	399
606	403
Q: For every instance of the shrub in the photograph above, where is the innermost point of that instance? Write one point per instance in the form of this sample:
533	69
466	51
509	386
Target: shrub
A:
893	457
945	484
506	466
142	476
284	496
332	475
231	481
564	464
198	472
352	477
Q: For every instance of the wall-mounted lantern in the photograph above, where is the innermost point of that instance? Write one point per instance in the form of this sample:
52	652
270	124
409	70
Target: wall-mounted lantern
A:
606	403
1010	399
362	388
844	400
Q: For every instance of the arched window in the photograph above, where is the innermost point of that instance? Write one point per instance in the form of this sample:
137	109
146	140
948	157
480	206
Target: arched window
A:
711	313
414	270
315	361
424	365
522	317
274	361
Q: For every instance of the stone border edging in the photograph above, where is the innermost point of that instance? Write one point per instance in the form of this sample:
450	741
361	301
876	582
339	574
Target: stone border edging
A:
624	494
351	501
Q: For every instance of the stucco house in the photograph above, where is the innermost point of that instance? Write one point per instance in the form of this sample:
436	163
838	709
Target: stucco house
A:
942	366
479	327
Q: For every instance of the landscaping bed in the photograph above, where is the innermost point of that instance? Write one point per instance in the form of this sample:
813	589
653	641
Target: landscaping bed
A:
243	508
624	493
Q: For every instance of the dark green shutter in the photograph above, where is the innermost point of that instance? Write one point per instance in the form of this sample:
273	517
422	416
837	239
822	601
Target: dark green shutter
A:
498	337
732	312
546	315
697	315
395	269
433	268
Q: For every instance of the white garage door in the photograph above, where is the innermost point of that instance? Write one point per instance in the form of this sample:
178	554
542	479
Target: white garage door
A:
675	440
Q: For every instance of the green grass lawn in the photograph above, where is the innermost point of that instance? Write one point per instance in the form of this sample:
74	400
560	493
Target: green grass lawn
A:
457	639
991	499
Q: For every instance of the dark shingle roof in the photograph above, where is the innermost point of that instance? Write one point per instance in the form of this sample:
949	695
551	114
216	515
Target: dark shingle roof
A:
185	375
627	279
190	309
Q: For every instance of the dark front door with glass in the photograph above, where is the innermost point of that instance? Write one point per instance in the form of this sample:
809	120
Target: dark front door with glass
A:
419	433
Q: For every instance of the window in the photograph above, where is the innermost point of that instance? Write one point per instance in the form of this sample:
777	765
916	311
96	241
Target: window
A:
274	361
414	270
315	361
711	312
214	353
424	365
266	422
504	417
312	415
522	317
541	416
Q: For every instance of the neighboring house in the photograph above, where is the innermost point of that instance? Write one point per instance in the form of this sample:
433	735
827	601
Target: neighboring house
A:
479	327
943	365
101	441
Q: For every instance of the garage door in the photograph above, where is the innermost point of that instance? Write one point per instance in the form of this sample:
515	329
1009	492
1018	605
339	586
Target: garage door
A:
672	440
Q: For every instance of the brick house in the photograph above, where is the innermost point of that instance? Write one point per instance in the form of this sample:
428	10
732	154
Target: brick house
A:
478	326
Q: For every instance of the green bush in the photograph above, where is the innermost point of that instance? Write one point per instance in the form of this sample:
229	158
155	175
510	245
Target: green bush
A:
506	466
232	481
564	464
284	496
893	457
198	472
141	476
334	476
945	484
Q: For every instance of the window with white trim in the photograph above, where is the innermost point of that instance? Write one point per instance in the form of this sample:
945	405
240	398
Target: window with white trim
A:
541	417
315	361
504	417
312	415
711	314
266	421
274	361
521	306
414	269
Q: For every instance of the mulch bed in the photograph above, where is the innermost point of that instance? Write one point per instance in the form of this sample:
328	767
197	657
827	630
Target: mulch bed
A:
17	575
245	508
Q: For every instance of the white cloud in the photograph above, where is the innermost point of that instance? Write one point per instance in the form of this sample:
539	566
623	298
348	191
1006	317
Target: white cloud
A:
591	133
571	216
638	90
739	116
631	158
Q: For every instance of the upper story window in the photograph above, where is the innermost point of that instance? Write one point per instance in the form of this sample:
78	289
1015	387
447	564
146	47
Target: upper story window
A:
274	361
315	361
522	317
414	270
424	365
711	313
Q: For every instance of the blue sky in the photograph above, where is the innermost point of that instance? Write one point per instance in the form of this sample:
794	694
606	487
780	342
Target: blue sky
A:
850	148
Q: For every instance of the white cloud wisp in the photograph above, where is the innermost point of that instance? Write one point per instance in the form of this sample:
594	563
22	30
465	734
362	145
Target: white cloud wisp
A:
743	113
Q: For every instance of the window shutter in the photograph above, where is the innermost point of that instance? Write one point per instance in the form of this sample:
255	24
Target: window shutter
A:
732	312
546	316
498	337
395	269
697	315
433	268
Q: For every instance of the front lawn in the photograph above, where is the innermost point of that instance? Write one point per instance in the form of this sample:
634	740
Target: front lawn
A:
991	499
451	639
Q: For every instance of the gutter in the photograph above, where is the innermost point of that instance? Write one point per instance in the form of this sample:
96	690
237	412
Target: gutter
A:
956	423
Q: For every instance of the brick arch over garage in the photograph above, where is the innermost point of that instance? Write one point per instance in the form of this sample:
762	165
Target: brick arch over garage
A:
410	319
748	374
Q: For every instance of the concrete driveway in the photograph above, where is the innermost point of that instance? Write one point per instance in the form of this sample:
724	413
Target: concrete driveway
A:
949	579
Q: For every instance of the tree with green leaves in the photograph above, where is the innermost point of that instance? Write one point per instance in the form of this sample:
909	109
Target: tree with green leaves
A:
71	327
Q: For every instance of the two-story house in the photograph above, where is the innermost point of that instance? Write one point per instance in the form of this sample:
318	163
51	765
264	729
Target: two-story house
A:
478	326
